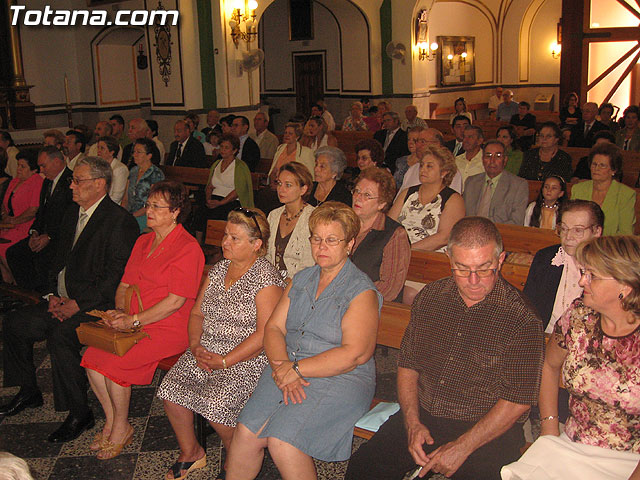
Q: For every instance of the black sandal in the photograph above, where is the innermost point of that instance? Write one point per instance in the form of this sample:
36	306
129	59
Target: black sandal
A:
177	468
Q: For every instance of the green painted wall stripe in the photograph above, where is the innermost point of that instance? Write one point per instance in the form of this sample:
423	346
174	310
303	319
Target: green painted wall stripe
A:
205	31
385	37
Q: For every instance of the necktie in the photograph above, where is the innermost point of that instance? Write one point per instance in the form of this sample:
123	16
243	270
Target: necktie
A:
82	222
62	282
587	127
178	154
388	140
485	200
47	193
457	148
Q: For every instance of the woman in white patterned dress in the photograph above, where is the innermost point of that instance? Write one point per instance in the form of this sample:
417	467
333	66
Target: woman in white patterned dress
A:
218	373
428	211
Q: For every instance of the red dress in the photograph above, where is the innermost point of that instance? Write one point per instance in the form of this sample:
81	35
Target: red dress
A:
25	195
174	267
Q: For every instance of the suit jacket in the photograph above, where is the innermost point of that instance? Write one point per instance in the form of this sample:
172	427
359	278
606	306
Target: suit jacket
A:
509	201
451	145
49	214
250	153
192	154
542	283
95	264
578	139
127	156
397	147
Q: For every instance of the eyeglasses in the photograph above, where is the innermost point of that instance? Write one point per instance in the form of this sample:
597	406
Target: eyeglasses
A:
250	214
331	241
153	206
600	165
577	231
78	181
367	196
589	276
482	273
497	155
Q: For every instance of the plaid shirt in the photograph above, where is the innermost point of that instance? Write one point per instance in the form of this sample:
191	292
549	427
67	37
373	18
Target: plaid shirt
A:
470	357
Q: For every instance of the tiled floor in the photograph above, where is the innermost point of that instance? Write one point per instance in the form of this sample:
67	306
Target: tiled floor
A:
154	447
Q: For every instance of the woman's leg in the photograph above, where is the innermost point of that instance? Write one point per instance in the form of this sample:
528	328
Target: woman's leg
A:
99	386
7	276
182	422
245	457
225	432
292	463
120	398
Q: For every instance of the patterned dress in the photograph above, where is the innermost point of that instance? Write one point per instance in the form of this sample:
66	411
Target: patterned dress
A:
229	318
602	375
422	221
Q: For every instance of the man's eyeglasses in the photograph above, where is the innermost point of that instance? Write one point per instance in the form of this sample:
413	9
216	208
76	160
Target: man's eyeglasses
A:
577	231
250	214
331	241
78	181
490	155
482	273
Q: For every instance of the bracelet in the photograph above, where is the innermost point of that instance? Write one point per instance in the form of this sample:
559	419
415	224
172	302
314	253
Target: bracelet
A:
224	363
297	370
550	417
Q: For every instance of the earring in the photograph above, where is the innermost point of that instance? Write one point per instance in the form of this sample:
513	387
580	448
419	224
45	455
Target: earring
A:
175	220
620	296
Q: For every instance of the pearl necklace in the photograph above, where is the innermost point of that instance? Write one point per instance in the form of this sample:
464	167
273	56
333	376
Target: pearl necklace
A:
552	207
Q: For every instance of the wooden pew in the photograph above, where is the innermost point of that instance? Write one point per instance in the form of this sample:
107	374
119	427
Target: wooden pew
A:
440	124
186	175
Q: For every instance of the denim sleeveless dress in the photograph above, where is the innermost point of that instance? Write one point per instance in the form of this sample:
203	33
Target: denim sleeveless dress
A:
322	425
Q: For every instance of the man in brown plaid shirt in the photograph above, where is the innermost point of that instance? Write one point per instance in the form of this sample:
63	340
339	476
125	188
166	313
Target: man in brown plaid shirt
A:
468	372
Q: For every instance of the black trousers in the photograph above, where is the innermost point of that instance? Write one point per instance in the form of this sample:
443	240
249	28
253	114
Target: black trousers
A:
21	329
386	456
29	268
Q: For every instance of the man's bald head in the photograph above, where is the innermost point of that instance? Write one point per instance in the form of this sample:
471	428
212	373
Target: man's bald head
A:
138	128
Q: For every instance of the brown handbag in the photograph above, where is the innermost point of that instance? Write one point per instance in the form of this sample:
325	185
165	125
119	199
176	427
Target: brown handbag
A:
98	334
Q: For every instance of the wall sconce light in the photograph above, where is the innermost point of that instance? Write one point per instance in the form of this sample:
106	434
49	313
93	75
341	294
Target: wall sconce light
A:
426	51
244	11
556	50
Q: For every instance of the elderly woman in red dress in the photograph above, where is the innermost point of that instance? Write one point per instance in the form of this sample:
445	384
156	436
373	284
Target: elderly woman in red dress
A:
166	265
19	207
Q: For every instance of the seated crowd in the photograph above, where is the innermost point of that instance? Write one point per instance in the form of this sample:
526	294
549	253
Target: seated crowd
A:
277	340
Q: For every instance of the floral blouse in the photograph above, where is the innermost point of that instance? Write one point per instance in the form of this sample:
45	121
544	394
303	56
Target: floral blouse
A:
421	221
602	375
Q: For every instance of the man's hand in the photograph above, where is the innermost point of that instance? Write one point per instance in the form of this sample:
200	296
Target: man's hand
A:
446	459
62	307
211	203
418	435
38	242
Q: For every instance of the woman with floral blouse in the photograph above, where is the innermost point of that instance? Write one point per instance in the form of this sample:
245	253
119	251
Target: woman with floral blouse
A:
596	348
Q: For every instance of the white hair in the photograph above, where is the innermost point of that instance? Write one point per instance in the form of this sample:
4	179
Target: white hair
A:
13	468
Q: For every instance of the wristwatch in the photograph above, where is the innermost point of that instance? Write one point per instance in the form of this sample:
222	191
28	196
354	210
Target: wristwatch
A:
296	369
136	322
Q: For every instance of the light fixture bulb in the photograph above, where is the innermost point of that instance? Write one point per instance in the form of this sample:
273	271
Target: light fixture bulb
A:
253	4
463	54
422	45
238	4
449	57
434	46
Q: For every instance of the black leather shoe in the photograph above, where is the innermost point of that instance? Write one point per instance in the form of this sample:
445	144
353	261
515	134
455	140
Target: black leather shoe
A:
72	428
20	402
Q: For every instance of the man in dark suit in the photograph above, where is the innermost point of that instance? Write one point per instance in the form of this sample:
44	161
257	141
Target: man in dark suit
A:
213	123
186	151
457	127
249	150
583	133
138	128
496	194
393	140
95	240
30	259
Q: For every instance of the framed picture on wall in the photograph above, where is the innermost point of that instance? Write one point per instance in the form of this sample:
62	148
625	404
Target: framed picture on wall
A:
456	61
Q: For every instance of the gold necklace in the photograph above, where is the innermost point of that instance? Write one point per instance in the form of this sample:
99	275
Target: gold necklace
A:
288	219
